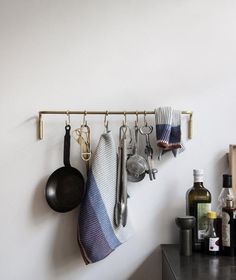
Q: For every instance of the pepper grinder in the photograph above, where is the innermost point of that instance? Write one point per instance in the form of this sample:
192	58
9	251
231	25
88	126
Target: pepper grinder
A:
185	225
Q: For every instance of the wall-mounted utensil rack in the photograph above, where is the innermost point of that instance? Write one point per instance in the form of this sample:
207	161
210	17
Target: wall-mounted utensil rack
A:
68	113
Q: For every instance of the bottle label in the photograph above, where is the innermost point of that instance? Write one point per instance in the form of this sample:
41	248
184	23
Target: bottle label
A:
202	210
214	244
225	229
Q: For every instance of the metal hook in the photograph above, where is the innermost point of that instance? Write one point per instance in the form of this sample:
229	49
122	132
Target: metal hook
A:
84	118
106	121
68	117
136	122
125	119
144	118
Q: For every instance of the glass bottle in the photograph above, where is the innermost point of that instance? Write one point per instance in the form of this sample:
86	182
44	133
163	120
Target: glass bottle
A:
198	200
229	228
211	240
226	191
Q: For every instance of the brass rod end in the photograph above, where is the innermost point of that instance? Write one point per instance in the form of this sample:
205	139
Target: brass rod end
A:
40	127
190	126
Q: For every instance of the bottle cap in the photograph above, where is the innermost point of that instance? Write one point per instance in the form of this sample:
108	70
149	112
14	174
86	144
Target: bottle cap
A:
198	172
227	181
198	175
211	215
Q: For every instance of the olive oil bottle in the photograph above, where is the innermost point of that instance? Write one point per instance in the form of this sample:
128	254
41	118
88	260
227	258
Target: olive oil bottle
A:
198	200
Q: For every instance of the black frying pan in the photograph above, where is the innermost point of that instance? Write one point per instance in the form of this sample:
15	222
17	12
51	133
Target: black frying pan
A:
65	186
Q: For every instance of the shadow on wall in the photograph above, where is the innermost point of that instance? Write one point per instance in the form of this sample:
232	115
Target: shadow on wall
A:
64	253
150	268
40	212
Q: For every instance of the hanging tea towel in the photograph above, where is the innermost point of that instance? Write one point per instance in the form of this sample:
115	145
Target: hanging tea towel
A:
97	234
168	130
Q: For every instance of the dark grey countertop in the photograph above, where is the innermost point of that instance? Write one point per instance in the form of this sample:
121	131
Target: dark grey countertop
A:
199	266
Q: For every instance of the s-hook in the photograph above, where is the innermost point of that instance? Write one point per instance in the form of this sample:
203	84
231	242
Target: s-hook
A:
106	122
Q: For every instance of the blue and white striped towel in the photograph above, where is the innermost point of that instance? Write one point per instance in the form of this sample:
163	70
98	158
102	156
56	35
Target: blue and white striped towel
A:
97	234
163	116
168	130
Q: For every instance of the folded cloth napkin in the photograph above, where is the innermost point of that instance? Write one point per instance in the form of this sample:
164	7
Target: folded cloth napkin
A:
168	130
97	234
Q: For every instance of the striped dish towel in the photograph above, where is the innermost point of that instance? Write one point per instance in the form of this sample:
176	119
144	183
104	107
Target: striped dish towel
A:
168	130
97	234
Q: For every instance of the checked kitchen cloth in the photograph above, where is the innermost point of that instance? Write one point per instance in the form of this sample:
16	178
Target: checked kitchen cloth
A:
97	234
168	130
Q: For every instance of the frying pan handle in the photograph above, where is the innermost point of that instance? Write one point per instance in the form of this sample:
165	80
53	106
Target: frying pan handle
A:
67	146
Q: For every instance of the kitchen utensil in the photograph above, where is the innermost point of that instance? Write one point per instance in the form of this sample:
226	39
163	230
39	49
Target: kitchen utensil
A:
146	130
135	179
65	186
185	225
124	194
117	210
82	136
120	212
136	165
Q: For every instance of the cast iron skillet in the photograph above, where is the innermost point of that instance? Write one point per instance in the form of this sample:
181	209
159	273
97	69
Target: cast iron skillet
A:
65	186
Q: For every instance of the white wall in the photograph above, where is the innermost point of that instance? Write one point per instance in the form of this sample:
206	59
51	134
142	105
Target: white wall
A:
107	55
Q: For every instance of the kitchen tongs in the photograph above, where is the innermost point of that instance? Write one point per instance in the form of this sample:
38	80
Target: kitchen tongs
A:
121	185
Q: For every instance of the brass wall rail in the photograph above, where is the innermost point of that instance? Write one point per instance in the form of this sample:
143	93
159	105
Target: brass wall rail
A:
68	113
